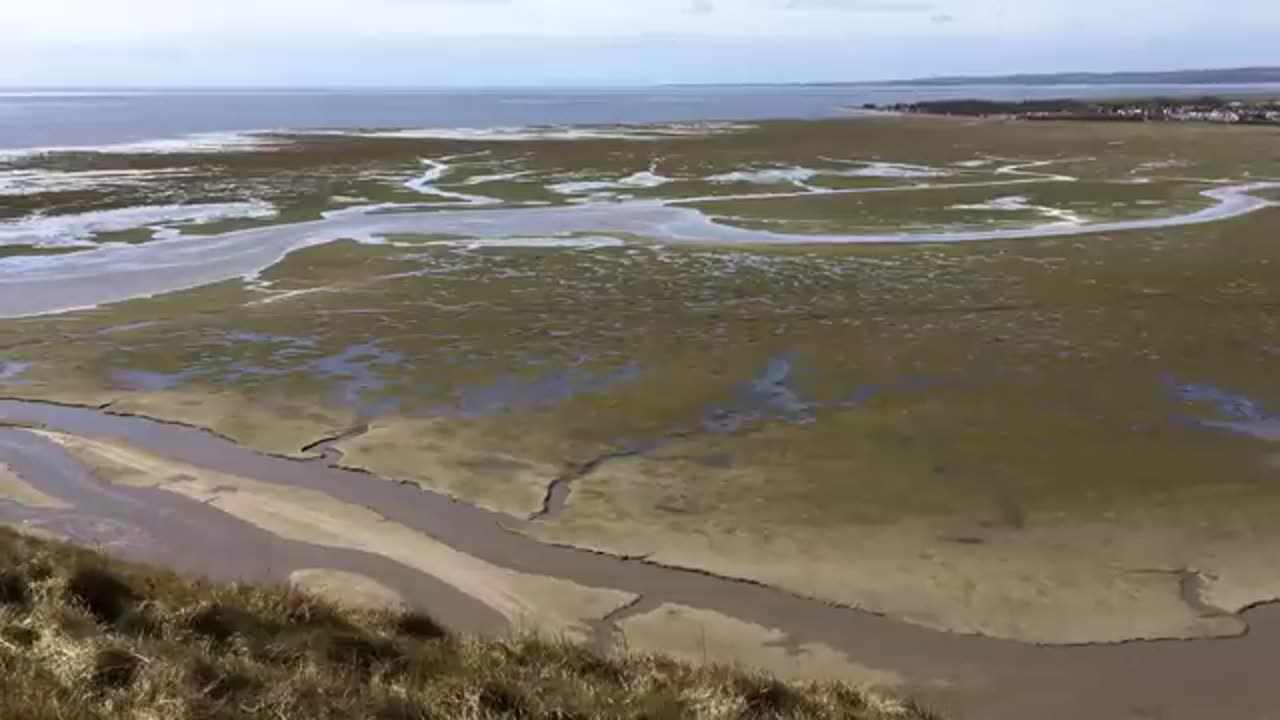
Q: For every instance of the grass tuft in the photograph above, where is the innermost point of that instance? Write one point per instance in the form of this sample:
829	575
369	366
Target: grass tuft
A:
101	594
767	698
221	681
14	589
503	699
216	622
419	626
401	709
115	668
19	636
87	638
361	653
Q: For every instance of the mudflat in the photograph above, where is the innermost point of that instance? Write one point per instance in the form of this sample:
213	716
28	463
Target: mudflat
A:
986	378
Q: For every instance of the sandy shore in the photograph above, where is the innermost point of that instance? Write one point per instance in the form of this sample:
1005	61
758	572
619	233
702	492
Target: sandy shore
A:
702	636
526	601
1146	574
1151	576
188	512
14	489
446	457
347	588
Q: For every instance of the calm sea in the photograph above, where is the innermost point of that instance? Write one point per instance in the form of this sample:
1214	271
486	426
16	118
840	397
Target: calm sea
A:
39	118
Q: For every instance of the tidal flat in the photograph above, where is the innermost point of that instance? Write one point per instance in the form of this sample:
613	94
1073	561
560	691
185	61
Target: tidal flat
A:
1056	440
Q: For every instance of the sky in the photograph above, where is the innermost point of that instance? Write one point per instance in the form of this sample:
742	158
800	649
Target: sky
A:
612	42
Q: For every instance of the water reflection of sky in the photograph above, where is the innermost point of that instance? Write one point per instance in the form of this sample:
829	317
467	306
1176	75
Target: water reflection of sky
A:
1234	412
1228	405
368	378
358	373
777	394
10	370
544	390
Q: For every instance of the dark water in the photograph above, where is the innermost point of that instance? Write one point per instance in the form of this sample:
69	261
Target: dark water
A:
69	118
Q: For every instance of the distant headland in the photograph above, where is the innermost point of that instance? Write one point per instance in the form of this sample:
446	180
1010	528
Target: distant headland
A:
1223	76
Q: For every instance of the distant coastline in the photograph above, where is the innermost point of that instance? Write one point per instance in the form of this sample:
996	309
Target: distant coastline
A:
114	117
1223	76
1218	76
1226	111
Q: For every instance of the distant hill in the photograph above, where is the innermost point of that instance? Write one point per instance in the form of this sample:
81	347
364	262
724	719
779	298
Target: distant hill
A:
1228	76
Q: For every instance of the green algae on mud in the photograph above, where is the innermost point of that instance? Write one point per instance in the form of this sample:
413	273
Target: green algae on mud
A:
979	389
732	409
9	251
307	175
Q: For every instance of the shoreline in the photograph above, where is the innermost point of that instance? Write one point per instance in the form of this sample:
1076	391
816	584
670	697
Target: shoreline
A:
942	666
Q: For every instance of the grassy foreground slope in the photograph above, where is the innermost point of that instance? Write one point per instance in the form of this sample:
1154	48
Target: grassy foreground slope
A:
83	636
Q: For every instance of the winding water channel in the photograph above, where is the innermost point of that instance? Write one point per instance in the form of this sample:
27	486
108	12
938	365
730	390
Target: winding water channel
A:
966	677
113	273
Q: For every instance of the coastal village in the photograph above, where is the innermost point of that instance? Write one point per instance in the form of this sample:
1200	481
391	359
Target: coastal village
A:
1258	111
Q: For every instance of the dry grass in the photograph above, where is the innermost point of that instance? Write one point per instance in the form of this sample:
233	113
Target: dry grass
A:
83	636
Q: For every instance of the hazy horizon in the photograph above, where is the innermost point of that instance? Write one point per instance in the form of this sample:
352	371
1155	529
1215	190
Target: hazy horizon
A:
611	43
322	87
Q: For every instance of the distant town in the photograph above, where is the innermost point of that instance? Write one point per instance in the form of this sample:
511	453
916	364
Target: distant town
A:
1254	111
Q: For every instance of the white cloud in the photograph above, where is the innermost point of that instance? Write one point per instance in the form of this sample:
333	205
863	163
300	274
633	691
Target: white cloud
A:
124	22
607	42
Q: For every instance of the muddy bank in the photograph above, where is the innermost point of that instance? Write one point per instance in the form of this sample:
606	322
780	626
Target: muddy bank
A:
553	606
151	525
966	676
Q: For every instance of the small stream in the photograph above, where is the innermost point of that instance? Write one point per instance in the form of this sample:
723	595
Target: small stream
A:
965	676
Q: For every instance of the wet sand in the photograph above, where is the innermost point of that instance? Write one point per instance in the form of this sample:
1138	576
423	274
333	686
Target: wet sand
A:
16	490
966	677
151	525
349	589
551	606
